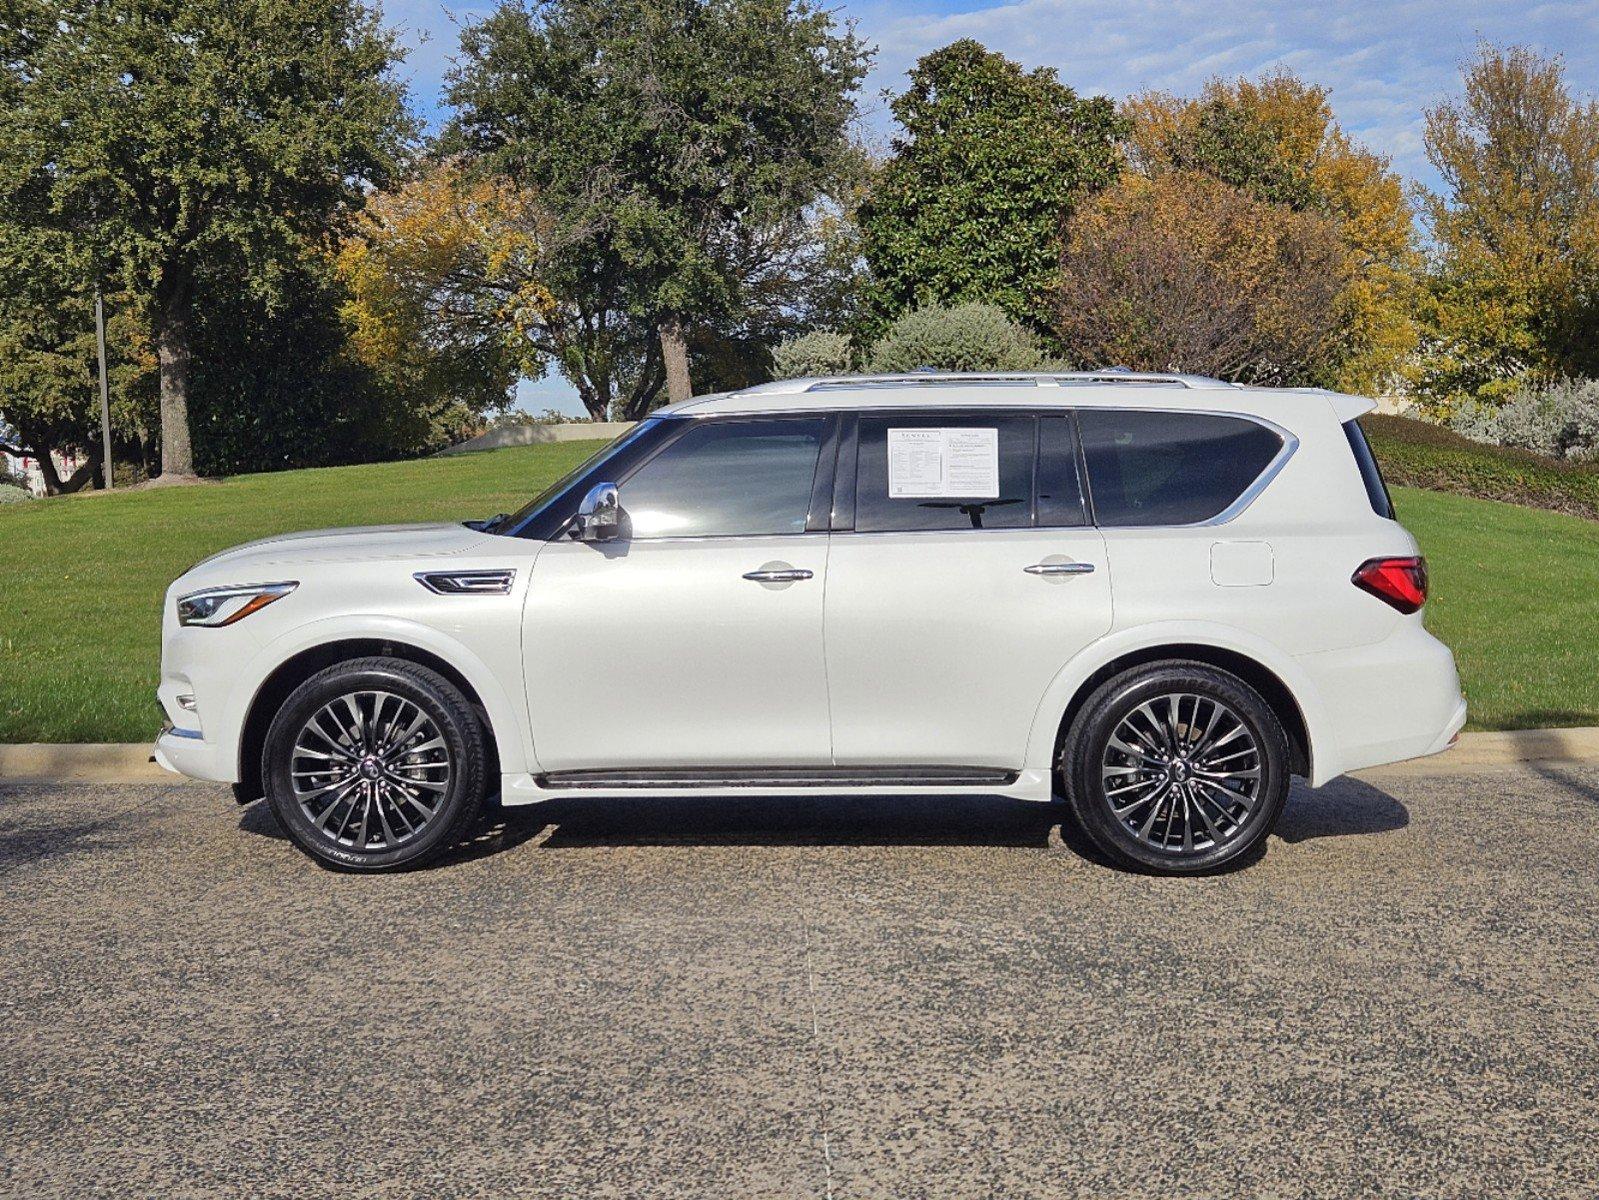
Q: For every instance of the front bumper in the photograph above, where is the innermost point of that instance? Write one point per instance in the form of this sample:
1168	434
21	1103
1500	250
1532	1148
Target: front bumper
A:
186	752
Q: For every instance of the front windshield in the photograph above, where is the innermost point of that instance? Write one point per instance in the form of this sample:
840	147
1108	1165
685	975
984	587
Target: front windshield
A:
517	519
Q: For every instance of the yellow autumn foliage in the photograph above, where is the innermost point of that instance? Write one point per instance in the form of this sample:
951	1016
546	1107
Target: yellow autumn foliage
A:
447	260
1314	164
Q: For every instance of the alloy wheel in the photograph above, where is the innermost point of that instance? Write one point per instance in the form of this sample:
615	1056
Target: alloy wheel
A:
1182	773
370	770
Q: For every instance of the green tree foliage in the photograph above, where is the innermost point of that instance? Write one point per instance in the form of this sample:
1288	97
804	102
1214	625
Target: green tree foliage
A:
49	375
1513	290
973	203
667	138
276	386
961	337
161	140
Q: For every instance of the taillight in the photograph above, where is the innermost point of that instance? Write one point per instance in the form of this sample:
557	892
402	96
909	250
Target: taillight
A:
1401	582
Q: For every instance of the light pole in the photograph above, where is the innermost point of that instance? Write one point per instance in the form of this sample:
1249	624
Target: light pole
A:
105	388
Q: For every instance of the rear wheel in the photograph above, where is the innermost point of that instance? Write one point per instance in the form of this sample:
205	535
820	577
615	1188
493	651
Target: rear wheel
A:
375	764
1176	768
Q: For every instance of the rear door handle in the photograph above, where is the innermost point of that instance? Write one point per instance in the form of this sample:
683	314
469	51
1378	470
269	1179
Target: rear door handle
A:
1065	568
789	576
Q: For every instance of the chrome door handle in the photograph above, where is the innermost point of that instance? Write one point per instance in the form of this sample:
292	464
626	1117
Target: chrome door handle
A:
777	576
1066	568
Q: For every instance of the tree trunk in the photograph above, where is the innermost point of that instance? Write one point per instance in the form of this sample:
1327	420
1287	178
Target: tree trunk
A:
82	477
54	485
172	349
674	353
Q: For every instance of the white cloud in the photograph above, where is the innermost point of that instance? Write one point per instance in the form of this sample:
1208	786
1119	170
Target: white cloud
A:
1385	62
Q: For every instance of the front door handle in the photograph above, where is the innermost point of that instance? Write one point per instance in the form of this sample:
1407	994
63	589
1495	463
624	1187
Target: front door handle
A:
789	576
1060	568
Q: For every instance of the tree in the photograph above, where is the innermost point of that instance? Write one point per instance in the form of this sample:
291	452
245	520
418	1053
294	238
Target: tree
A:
162	136
444	303
664	136
1513	290
1184	273
973	203
49	384
1276	139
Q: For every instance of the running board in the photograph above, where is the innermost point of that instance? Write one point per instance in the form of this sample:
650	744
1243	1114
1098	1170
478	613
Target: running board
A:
765	777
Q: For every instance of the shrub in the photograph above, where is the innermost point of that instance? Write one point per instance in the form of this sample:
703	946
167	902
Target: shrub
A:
963	337
1419	454
819	353
1184	273
1560	420
12	492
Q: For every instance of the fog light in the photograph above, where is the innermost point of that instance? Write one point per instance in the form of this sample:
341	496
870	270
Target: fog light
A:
186	703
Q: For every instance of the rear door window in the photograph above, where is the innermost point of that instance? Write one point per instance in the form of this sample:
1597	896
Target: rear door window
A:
1060	488
1167	468
944	470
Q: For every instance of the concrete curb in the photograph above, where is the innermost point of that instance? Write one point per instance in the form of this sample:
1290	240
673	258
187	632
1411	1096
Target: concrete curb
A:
87	762
114	762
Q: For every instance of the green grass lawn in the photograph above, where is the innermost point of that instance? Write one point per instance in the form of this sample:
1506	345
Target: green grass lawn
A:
1516	590
82	577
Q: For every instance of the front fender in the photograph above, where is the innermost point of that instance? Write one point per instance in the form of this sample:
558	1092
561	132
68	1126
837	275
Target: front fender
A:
1063	689
501	696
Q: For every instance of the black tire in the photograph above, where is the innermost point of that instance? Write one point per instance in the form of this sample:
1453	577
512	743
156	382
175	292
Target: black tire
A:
1177	803
448	758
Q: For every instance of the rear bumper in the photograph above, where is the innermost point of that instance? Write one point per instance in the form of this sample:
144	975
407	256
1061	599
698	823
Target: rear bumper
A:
1393	700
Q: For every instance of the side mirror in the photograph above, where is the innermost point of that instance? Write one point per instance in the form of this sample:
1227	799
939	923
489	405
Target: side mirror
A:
599	517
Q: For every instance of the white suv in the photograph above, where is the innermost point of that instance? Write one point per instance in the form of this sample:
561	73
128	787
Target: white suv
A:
1157	597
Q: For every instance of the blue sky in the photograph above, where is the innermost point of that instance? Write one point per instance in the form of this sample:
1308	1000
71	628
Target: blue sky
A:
1385	60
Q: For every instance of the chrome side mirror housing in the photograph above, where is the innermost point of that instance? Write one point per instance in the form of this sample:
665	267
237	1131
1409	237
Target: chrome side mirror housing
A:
599	517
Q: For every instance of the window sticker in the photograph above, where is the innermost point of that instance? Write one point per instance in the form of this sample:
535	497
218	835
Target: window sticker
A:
924	463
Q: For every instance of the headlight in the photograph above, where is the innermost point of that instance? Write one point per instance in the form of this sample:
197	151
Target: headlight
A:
218	606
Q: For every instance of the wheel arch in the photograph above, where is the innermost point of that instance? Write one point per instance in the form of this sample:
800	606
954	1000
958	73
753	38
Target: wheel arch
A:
294	670
1274	676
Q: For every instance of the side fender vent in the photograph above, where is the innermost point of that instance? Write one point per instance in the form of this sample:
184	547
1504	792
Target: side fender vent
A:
467	583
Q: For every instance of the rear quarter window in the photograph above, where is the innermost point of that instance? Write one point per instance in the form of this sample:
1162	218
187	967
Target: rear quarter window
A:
1370	473
1166	468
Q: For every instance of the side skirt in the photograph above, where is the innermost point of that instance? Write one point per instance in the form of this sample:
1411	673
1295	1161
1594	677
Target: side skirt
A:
720	779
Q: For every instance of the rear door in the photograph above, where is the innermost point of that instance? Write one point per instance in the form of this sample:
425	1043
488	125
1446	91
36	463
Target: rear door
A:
963	575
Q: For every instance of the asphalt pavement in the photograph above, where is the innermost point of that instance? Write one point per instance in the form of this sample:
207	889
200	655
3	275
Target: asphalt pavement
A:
818	997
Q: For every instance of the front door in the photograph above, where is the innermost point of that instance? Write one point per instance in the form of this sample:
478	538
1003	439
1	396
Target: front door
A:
695	638
963	590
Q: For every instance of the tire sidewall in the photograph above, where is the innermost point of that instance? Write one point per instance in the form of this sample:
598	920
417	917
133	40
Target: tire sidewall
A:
460	736
1105	710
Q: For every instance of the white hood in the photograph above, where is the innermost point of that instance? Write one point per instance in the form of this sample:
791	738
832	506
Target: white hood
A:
349	545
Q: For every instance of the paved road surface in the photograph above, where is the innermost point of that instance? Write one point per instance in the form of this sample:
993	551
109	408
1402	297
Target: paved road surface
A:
805	998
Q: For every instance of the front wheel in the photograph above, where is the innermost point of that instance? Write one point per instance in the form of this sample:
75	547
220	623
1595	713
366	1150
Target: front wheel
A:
375	764
1175	768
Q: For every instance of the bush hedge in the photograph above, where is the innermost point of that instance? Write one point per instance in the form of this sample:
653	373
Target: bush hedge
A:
1417	454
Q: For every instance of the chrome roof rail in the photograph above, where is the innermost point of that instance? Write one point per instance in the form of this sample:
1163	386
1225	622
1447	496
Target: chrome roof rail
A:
1113	376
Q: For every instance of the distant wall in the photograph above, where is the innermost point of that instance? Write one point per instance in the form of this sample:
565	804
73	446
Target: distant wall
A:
533	432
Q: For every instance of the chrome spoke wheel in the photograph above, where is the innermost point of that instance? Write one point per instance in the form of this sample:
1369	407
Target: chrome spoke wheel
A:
370	770
1182	773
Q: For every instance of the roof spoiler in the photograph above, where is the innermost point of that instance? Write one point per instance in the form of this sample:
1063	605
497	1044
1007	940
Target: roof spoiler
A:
1350	407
